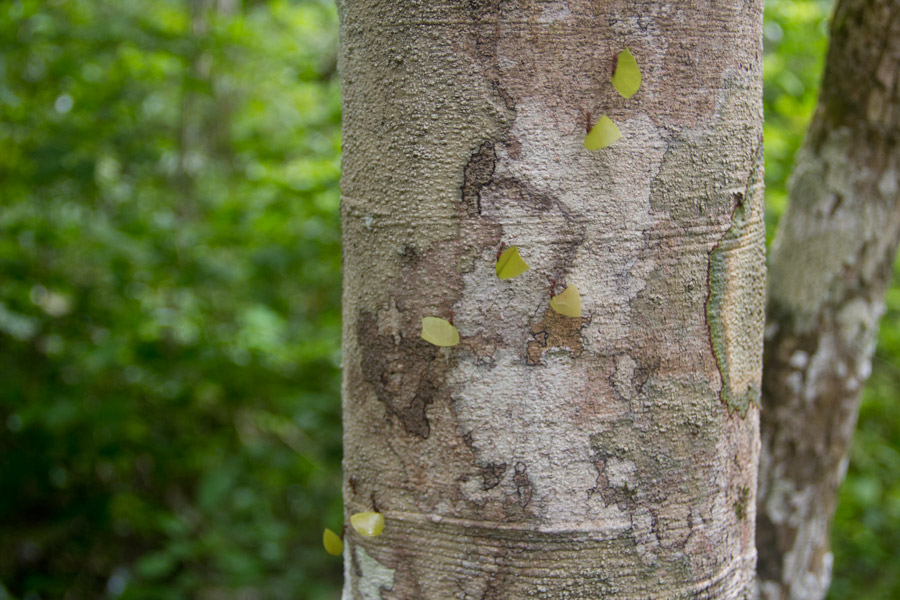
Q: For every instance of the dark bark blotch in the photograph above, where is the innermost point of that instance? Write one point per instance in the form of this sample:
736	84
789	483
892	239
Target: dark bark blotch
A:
555	331
478	174
405	376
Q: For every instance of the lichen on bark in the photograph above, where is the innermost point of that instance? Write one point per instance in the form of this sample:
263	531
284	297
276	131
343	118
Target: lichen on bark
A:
735	315
464	129
831	262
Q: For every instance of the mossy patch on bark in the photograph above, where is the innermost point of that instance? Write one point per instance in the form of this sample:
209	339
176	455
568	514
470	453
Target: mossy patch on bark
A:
734	310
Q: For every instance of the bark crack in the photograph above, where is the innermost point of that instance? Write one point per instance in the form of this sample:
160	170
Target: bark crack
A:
478	174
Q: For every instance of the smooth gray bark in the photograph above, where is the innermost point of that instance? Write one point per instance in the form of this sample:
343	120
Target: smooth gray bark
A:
830	265
608	456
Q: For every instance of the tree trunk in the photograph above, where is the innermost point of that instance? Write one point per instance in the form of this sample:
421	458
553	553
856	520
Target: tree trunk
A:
831	262
608	456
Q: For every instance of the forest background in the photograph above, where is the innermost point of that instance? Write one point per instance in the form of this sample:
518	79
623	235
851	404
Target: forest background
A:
170	301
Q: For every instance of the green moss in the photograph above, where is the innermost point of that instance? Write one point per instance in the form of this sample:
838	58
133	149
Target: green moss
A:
740	507
733	309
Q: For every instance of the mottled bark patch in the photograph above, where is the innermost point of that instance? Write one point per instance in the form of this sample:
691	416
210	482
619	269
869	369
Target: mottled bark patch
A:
734	311
531	200
653	477
406	374
482	347
492	474
479	9
524	487
740	506
810	400
372	577
477	174
629	376
555	331
521	200
617	477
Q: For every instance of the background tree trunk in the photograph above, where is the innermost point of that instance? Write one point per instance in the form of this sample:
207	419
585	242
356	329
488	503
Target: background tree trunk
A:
612	455
831	262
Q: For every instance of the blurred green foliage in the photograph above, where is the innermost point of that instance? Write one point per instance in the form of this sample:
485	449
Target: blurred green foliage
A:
795	38
169	298
170	295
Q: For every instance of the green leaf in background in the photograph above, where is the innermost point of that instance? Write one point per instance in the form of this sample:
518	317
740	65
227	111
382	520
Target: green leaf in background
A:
334	545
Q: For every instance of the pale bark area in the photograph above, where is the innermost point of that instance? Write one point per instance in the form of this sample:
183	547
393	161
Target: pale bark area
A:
611	456
830	264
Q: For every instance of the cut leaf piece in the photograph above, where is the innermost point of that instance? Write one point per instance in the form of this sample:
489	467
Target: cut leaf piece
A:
439	332
334	545
568	303
602	135
368	524
510	264
627	78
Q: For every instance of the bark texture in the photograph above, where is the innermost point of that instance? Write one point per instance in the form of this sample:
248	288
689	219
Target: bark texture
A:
608	456
830	264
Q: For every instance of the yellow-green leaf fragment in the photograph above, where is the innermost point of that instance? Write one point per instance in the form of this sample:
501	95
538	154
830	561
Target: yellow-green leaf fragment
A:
439	332
368	524
627	78
333	543
602	135
510	264
568	303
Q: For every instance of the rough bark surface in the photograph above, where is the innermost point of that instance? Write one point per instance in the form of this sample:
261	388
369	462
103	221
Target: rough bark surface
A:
611	456
830	264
